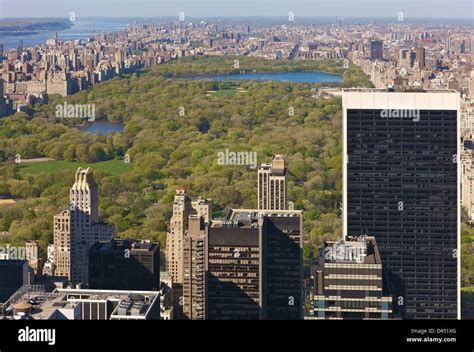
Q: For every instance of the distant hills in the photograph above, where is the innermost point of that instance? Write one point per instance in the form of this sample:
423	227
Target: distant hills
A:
22	26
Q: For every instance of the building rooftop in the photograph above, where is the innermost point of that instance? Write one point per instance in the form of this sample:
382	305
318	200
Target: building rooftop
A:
200	200
353	249
147	246
65	303
251	218
277	165
238	214
121	244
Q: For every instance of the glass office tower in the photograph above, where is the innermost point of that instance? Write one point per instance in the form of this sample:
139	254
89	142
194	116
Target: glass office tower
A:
401	186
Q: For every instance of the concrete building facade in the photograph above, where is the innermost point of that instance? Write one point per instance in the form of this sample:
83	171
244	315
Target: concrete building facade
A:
77	229
272	184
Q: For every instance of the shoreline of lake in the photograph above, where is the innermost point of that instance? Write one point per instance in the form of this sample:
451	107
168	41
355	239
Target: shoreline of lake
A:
324	77
102	127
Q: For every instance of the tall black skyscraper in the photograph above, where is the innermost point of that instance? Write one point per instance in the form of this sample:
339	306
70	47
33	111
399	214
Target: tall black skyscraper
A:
376	50
401	185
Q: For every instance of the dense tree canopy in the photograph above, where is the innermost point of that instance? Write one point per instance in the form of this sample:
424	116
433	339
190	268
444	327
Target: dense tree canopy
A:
174	129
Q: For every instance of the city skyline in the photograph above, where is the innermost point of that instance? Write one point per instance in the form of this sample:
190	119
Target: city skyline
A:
233	145
236	161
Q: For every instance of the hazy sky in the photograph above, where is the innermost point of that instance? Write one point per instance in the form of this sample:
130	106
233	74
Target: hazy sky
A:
210	8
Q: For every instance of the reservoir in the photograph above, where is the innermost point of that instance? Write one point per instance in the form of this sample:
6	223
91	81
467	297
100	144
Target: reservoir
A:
297	77
103	127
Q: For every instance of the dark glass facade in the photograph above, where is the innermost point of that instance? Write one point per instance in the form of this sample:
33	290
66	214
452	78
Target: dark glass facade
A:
124	265
283	267
253	267
402	189
12	274
233	277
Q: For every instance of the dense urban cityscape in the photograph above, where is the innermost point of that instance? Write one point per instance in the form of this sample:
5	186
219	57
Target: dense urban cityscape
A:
237	168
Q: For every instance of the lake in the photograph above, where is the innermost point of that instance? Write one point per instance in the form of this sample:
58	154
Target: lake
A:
103	127
296	77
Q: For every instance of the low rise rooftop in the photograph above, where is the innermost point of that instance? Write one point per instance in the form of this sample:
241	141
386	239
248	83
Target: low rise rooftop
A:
353	249
35	303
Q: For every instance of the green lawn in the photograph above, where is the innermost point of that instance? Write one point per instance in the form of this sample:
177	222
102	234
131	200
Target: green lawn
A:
224	92
113	167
